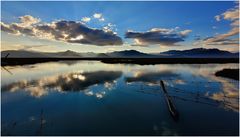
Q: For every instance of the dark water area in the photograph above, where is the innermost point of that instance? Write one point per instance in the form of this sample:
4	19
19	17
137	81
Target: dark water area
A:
94	98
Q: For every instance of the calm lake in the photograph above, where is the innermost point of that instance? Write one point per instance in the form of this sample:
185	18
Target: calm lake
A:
93	98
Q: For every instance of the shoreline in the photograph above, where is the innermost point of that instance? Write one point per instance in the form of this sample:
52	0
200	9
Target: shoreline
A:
140	61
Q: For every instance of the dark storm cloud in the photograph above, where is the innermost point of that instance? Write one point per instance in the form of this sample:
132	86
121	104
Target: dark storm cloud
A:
67	31
16	29
7	28
159	36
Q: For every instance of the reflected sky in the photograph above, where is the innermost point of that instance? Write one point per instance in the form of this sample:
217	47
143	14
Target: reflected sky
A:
105	94
72	82
152	77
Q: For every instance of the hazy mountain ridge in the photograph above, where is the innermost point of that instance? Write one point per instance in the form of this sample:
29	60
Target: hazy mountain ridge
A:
198	52
129	53
24	53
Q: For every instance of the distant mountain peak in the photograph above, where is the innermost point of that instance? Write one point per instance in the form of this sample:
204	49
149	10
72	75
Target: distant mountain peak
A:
70	51
197	52
128	53
131	50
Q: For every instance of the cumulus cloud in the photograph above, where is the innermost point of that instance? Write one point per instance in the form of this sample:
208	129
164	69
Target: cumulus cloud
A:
185	32
158	36
110	27
217	17
98	16
62	30
226	38
86	19
101	19
28	20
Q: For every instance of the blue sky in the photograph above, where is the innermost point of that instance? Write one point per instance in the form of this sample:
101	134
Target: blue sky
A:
199	17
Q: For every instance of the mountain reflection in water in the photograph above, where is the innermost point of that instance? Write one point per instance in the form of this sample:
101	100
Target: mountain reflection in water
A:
93	98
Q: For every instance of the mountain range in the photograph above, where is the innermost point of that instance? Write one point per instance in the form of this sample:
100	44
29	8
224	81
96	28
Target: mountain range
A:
197	52
200	52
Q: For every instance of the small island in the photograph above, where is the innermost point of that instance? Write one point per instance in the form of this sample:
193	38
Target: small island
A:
228	73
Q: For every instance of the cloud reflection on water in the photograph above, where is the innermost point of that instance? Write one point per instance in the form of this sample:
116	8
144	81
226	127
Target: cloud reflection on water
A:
70	82
229	93
151	77
226	92
95	81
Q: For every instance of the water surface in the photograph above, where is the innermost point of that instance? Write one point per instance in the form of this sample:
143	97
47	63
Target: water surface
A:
93	98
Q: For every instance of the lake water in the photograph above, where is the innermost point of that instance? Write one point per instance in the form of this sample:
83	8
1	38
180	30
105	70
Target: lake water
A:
93	98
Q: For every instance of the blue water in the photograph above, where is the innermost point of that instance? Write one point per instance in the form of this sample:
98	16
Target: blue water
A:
93	98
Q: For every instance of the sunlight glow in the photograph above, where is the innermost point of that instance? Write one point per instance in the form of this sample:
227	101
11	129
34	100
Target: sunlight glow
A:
79	37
